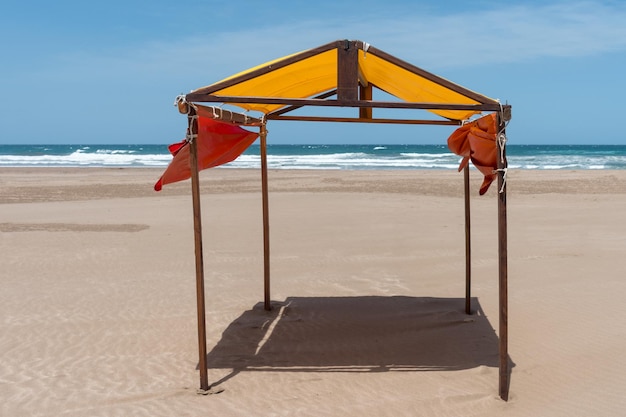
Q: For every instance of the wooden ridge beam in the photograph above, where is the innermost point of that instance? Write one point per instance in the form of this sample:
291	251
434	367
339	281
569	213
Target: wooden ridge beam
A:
193	97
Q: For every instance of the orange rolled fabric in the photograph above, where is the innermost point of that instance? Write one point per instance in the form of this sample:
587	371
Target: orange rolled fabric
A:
476	141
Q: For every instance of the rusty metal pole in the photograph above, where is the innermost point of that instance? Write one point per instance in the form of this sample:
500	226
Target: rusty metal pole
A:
197	228
266	221
502	261
468	243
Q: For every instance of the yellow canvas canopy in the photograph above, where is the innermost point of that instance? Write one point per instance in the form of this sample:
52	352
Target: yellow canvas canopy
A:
344	74
348	69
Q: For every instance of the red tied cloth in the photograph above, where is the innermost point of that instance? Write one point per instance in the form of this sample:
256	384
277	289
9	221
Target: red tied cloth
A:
477	141
218	143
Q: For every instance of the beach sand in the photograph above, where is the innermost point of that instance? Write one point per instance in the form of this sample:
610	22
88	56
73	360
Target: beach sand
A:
98	304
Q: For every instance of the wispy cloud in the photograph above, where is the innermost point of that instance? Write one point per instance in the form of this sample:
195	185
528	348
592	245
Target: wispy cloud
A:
509	33
506	34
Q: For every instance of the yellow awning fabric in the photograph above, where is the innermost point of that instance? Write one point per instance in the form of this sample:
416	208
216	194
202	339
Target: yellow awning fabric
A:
302	79
409	86
318	73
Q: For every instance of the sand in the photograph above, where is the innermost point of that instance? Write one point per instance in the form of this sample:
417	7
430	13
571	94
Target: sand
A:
98	310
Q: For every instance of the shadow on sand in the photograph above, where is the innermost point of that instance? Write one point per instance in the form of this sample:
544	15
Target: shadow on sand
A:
357	334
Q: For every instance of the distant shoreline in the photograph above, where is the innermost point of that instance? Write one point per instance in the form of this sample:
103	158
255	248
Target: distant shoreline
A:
326	157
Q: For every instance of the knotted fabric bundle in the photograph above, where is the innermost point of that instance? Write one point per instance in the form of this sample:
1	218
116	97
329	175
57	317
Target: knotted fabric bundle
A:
476	141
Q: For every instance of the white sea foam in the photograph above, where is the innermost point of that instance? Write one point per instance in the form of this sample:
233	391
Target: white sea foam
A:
82	158
354	160
315	157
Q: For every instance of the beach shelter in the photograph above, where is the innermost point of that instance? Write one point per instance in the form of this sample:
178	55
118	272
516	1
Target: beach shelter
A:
345	74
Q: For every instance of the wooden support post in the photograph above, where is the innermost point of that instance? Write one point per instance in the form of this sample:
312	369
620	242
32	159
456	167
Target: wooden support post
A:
468	243
365	93
266	220
503	265
197	229
347	71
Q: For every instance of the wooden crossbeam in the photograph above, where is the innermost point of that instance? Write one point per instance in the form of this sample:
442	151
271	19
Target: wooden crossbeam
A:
224	115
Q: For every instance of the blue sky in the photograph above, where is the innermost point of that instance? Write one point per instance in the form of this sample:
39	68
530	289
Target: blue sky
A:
86	72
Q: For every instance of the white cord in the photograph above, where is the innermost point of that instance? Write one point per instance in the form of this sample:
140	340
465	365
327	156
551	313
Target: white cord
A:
190	137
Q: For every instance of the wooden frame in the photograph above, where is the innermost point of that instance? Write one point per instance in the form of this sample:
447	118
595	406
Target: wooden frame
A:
351	93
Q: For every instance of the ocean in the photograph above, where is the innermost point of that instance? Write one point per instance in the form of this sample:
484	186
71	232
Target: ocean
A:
360	157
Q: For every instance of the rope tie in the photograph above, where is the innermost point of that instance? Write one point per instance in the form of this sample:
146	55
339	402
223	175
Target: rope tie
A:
182	104
191	136
180	99
501	138
506	122
504	172
502	144
246	118
264	122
